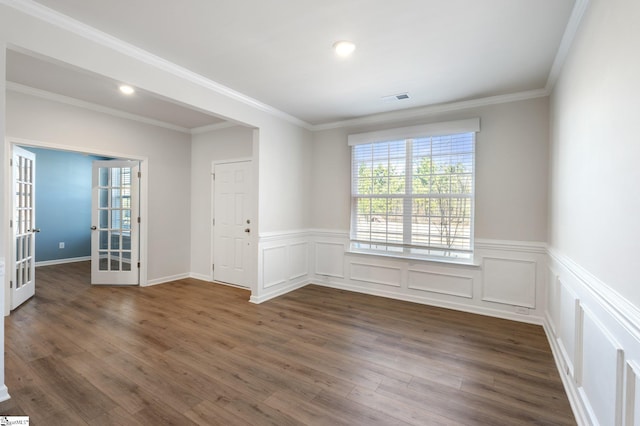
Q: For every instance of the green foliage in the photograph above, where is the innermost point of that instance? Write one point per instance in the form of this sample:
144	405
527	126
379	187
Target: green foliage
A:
381	180
446	211
445	207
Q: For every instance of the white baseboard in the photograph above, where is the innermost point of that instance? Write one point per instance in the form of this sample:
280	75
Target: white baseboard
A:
4	393
62	261
165	280
277	292
201	277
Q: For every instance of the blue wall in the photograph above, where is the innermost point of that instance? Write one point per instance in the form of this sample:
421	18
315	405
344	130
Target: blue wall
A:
63	204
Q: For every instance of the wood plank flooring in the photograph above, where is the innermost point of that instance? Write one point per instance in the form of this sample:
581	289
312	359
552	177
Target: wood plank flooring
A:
191	352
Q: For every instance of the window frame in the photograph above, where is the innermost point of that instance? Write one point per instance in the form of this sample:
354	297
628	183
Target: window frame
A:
404	249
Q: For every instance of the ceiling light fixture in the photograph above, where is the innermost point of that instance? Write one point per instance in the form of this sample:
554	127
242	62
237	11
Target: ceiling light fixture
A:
344	48
127	90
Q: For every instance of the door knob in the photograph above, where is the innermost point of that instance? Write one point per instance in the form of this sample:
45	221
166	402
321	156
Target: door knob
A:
33	230
93	228
247	230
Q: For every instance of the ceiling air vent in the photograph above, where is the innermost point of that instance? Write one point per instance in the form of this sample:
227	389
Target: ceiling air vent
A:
396	97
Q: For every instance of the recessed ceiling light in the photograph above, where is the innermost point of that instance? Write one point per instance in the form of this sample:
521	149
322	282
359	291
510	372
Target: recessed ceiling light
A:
127	90
344	48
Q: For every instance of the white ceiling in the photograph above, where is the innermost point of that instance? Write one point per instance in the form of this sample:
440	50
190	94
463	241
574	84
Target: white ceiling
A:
279	51
62	79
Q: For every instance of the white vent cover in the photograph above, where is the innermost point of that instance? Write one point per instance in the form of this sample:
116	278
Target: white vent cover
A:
396	97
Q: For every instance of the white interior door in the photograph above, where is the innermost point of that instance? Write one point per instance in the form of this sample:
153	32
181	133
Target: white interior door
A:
232	223
23	278
115	223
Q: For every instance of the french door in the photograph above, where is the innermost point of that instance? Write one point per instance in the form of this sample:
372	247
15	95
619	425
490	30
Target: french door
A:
115	223
23	278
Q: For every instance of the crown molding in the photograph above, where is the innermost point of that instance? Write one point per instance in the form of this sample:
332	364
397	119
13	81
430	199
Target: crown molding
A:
53	17
570	32
67	23
19	88
419	112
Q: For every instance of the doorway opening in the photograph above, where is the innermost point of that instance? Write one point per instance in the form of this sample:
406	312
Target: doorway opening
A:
72	201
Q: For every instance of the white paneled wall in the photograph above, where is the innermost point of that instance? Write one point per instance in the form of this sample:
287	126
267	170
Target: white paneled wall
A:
595	338
509	281
283	262
454	284
506	280
593	332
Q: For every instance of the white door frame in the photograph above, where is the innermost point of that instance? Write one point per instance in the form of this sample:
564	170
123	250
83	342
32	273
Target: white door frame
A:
252	209
8	201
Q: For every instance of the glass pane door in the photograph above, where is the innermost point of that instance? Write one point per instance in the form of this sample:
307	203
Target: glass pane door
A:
24	227
114	238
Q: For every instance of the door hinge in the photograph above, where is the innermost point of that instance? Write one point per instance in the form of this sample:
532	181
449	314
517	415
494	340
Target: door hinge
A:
10	284
213	175
10	223
213	267
214	221
138	264
139	175
11	161
138	219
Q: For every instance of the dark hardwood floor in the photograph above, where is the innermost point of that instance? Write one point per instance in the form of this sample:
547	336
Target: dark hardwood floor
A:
191	352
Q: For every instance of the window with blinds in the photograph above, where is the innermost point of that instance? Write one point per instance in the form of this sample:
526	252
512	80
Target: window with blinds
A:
414	195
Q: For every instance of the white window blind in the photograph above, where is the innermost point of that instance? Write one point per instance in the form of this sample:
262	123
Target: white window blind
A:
415	195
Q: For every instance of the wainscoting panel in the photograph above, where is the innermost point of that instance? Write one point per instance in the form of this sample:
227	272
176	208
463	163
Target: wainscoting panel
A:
433	282
509	281
330	259
596	344
632	415
569	326
601	375
299	260
283	264
376	274
274	265
512	288
553	301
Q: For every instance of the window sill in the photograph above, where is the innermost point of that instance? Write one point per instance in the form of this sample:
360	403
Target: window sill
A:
428	259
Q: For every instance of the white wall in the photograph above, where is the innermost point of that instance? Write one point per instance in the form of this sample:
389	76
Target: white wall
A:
511	171
224	144
594	233
508	276
285	178
285	187
168	154
508	279
595	203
